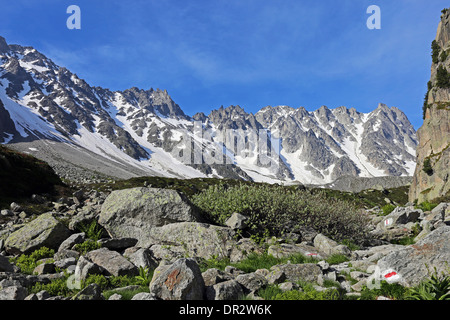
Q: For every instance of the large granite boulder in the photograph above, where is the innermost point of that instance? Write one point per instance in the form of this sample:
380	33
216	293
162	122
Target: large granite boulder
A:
415	262
192	239
133	212
44	231
180	281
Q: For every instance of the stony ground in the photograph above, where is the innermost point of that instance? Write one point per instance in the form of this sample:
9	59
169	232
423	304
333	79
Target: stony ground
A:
159	230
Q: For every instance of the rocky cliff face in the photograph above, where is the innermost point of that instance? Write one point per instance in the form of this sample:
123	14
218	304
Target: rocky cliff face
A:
432	175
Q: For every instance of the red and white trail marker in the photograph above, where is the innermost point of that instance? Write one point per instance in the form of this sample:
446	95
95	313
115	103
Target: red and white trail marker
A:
391	276
388	222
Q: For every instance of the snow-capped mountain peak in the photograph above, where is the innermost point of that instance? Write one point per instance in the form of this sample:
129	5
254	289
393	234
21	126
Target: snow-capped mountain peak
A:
146	132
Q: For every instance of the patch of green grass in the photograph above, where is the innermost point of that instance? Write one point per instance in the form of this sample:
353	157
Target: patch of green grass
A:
427	206
350	244
108	284
27	263
388	208
57	287
86	246
405	241
269	292
390	290
126	294
265	261
254	262
309	293
336	259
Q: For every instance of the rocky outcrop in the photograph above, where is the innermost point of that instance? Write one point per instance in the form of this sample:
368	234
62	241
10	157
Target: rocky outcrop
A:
177	252
133	212
182	280
45	231
416	262
113	262
432	175
191	239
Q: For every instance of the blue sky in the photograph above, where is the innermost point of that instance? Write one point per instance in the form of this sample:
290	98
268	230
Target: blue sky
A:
251	53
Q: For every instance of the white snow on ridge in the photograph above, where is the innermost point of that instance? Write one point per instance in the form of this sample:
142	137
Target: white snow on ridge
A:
26	119
30	66
160	160
297	168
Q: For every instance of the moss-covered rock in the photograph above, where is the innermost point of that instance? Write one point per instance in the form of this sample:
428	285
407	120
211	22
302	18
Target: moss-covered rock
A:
44	231
132	212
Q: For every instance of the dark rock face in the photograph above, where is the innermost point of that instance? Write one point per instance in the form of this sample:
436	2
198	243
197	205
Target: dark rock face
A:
8	128
22	175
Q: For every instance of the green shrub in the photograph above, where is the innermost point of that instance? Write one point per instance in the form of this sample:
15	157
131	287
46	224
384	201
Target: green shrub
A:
443	56
427	168
425	102
87	245
27	263
123	281
309	293
214	262
99	279
126	294
336	259
254	262
269	292
442	77
405	241
57	287
389	290
109	282
435	50
427	206
388	209
145	276
93	230
350	244
274	210
437	287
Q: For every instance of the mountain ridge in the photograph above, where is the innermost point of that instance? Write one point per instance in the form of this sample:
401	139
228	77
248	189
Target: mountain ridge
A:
147	130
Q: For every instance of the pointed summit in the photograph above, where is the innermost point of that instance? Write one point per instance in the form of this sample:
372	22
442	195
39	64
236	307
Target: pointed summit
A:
4	48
